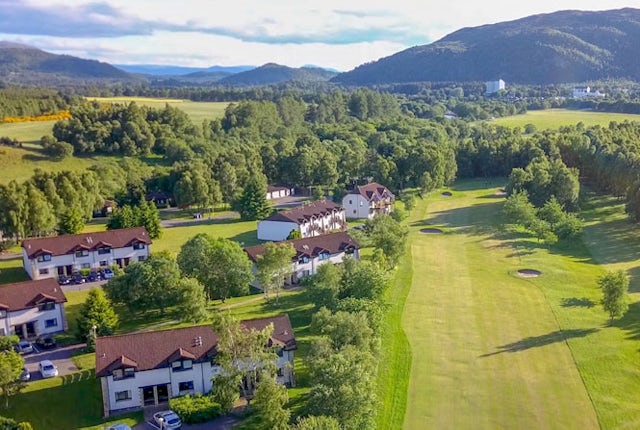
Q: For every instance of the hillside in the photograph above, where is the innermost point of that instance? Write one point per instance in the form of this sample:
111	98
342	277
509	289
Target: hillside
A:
271	73
22	64
566	46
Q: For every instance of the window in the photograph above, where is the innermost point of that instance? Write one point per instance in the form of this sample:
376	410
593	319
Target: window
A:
86	266
103	251
142	258
47	306
53	322
323	255
3	314
138	246
185	386
280	352
44	257
304	260
350	202
43	271
280	371
178	366
82	253
354	211
123	395
127	372
103	263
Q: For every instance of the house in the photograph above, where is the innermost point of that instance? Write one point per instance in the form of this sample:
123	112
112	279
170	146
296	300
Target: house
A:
312	252
367	201
450	115
582	92
50	257
32	308
312	219
492	87
161	199
279	191
107	208
148	368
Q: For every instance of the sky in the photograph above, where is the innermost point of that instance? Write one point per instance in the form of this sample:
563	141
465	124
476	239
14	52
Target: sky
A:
201	33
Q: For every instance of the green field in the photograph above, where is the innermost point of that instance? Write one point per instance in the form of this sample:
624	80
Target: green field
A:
555	118
492	350
198	111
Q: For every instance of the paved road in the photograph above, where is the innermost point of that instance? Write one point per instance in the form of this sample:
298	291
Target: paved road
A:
61	357
222	423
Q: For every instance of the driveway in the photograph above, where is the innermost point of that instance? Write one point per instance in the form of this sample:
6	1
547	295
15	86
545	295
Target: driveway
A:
61	357
222	423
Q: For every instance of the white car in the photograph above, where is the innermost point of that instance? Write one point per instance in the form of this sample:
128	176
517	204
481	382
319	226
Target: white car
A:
167	420
118	427
47	369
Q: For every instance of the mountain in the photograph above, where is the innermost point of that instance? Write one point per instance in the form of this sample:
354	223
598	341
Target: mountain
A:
271	73
170	70
23	64
566	46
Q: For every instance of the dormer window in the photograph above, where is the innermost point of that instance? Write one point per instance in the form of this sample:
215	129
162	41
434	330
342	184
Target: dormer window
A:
104	250
46	306
3	313
303	260
138	245
127	372
180	365
44	257
82	253
324	255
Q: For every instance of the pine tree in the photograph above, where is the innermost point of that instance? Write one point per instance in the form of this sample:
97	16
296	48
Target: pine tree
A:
253	204
96	311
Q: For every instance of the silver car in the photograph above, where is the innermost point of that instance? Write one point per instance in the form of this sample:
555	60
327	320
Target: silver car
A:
167	420
47	369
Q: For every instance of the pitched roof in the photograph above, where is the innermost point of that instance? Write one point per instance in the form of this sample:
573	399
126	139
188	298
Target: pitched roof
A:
156	349
306	212
312	246
28	294
68	243
372	191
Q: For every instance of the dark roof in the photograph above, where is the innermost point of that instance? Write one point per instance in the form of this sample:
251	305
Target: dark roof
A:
312	246
158	195
156	349
28	294
372	191
306	212
68	243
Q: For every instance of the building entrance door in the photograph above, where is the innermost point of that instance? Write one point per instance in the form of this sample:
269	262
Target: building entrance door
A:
148	396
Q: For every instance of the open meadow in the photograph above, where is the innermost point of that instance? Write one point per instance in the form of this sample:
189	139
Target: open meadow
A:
198	111
556	118
489	349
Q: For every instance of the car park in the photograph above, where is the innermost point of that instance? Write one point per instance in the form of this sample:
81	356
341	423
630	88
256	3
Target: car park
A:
64	280
24	347
93	276
77	278
107	274
25	375
47	369
167	420
45	342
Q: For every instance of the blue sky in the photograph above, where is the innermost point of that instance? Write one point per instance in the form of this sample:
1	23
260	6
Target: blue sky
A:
329	33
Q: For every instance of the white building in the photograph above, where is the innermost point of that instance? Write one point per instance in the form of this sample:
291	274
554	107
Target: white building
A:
50	257
32	308
582	92
312	252
494	86
279	191
367	201
313	219
149	368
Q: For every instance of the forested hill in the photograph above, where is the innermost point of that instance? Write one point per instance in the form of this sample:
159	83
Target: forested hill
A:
22	64
566	46
271	73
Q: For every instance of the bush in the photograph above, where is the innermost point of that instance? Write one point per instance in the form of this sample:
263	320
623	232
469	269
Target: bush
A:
195	409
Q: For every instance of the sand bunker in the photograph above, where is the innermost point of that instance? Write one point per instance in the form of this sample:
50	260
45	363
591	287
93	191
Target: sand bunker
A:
529	273
431	231
447	193
501	193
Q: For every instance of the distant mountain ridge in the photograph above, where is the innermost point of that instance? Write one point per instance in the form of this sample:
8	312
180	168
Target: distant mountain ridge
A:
272	73
565	46
25	64
171	70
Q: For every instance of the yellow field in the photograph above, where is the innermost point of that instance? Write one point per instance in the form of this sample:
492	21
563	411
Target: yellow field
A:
198	111
555	118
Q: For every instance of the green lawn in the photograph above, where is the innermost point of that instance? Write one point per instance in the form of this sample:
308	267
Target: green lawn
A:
12	271
555	118
492	350
198	111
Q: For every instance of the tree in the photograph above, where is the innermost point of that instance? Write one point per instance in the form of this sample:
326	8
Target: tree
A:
97	311
324	287
193	301
7	342
344	328
363	279
144	215
389	236
313	422
252	203
614	286
269	403
518	209
9	424
227	271
72	220
11	364
243	354
274	266
148	285
225	390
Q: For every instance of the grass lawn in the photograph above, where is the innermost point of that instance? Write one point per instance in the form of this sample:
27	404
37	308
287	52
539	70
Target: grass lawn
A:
555	118
12	271
198	111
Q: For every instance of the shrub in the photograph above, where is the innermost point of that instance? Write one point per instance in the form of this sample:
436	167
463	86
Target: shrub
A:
195	409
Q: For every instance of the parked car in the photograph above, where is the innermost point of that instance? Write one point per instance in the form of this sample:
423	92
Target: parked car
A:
25	375
93	276
64	280
167	420
107	273
45	342
47	369
118	427
78	278
24	347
